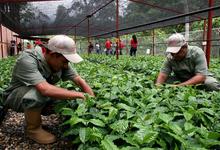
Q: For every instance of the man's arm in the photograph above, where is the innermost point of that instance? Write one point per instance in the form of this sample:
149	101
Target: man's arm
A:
197	79
82	83
162	77
201	69
50	90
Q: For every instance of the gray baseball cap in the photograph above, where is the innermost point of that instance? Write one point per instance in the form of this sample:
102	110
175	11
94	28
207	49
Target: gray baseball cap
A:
175	42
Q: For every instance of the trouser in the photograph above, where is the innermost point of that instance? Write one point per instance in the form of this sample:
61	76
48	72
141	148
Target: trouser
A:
12	51
133	51
119	52
24	98
210	84
3	110
108	52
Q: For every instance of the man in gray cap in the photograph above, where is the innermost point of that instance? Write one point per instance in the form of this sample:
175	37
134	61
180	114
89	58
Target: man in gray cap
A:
188	63
32	85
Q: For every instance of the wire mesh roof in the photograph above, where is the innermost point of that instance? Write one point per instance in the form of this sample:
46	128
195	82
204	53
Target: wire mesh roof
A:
97	18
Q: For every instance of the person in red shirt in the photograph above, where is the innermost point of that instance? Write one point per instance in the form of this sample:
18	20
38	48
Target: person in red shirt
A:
120	47
108	46
134	44
39	43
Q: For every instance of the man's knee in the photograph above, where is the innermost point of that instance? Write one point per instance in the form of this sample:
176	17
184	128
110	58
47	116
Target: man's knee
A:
34	99
212	84
24	98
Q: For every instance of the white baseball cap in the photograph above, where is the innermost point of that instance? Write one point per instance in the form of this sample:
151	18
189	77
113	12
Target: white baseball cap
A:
175	42
64	45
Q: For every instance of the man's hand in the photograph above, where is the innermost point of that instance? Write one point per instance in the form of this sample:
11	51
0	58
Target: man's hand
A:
162	77
82	84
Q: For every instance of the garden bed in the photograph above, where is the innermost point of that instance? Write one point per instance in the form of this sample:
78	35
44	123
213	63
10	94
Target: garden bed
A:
12	134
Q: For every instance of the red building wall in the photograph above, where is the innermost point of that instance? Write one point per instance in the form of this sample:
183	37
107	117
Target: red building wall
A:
6	36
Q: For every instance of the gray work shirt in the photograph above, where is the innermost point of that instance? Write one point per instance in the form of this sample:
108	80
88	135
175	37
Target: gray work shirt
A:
194	63
30	69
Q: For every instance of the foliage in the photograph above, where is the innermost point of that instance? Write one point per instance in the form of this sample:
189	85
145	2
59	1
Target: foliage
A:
129	112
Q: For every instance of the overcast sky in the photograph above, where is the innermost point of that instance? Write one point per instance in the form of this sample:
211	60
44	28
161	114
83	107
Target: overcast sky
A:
50	7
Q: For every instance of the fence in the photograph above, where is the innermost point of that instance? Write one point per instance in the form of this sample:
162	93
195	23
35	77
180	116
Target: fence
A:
146	42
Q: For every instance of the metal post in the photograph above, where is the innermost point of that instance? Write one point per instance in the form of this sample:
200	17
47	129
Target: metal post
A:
153	41
88	30
75	35
117	27
2	43
204	36
209	32
88	34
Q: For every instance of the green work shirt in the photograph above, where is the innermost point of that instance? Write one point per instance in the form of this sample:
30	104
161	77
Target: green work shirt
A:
30	69
194	63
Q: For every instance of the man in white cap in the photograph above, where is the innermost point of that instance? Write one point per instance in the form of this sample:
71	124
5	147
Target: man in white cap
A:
32	86
188	63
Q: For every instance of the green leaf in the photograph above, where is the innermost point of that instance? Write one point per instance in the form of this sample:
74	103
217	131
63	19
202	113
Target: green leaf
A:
90	102
67	112
97	122
69	85
84	134
81	109
179	138
129	139
190	129
105	105
210	142
203	131
165	117
162	143
207	110
175	128
160	110
96	135
108	145
214	135
130	114
145	135
188	116
120	126
74	120
125	107
112	112
129	148
188	126
70	132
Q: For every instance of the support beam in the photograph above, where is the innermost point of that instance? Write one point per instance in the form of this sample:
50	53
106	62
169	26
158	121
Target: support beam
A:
209	33
117	27
91	14
2	42
153	46
75	35
204	36
22	1
161	21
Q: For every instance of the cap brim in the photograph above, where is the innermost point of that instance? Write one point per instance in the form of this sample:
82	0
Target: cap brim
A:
173	49
74	58
44	45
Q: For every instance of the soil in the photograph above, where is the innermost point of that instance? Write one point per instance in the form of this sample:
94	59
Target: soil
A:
12	136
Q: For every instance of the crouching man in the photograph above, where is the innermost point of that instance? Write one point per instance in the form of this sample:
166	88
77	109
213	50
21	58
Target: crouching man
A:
32	86
188	63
